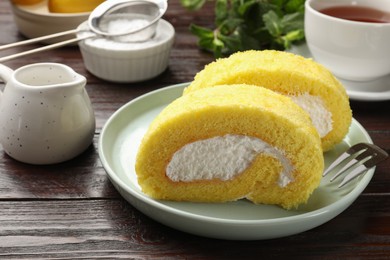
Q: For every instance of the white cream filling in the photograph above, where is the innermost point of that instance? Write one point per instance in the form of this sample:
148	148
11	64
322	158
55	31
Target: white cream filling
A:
223	157
320	116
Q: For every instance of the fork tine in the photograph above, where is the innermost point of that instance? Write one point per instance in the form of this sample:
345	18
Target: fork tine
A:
357	159
373	154
345	156
363	156
349	165
353	174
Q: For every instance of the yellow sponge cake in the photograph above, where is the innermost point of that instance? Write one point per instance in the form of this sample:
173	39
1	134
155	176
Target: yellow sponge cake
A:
308	83
231	142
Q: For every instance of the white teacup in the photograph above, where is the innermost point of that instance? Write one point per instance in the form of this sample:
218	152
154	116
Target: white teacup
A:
352	50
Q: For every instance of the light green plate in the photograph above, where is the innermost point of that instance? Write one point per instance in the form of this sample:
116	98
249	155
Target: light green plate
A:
240	220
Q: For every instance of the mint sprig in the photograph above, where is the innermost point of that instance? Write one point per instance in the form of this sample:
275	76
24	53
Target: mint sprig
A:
250	24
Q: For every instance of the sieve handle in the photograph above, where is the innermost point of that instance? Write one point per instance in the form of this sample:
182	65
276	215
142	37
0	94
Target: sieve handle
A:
44	48
38	39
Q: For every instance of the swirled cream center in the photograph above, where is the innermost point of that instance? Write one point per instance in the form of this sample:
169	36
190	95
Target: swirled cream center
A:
223	157
315	107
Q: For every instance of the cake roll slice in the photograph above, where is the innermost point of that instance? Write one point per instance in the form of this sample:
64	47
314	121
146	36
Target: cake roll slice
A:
309	84
228	143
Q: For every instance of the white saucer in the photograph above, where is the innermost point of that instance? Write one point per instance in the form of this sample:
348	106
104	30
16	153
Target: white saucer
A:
375	90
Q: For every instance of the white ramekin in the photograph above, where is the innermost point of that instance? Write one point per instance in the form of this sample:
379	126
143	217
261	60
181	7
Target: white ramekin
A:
128	62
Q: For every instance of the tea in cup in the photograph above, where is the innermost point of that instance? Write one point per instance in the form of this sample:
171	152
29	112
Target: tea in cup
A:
350	37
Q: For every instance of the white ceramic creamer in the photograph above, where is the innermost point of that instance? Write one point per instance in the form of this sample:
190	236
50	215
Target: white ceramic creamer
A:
46	115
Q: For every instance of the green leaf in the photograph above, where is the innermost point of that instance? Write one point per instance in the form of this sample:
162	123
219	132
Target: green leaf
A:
250	24
278	3
221	11
291	22
193	4
201	32
244	7
206	44
218	45
294	6
232	42
273	23
296	35
230	25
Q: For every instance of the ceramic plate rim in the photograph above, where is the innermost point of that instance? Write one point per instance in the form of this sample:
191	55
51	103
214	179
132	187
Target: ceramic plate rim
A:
353	194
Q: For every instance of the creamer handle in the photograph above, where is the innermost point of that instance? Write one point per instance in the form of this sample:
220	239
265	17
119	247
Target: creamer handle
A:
5	75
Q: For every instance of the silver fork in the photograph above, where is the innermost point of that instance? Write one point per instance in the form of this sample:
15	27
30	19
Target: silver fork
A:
358	159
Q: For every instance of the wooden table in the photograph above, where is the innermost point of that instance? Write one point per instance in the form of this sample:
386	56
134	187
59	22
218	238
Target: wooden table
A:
71	210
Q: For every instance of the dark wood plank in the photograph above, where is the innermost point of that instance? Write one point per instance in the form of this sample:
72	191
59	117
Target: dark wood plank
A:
82	177
71	210
113	228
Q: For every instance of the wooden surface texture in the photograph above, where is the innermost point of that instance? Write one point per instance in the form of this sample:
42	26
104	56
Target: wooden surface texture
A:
72	211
